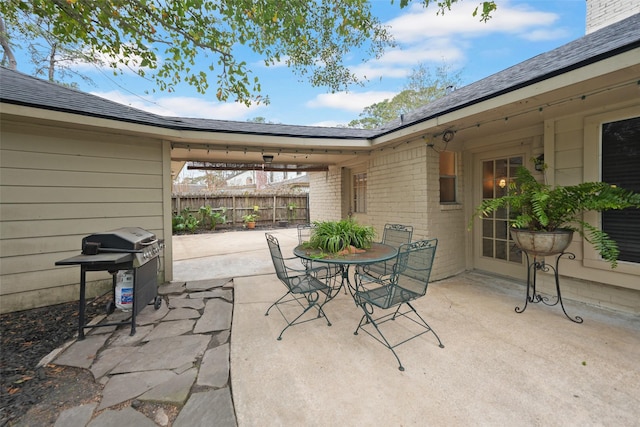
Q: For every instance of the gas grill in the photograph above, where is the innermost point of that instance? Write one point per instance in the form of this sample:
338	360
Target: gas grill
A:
129	248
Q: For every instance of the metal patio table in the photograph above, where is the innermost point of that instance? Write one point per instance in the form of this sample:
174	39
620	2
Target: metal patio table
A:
378	252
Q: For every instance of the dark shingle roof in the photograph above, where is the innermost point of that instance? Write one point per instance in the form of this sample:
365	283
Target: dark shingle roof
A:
609	41
20	89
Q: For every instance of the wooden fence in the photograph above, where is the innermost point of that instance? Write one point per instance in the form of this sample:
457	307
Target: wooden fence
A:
272	208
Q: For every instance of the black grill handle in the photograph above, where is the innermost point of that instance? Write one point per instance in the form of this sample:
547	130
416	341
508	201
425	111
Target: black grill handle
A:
120	251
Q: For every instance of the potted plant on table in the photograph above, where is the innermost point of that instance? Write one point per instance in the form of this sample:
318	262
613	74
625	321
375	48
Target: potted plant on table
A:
341	237
543	219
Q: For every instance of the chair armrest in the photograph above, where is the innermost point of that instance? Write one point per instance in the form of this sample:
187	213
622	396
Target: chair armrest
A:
364	280
306	271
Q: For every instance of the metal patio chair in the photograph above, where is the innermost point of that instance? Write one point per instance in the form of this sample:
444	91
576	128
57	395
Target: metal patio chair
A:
408	281
393	235
307	287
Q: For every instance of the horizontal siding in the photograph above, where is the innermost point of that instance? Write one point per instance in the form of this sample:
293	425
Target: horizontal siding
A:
58	186
76	226
45	297
46	139
26	212
39	195
64	178
27	161
47	279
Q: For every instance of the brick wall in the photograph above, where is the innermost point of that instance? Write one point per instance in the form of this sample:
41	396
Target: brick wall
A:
601	13
325	195
403	187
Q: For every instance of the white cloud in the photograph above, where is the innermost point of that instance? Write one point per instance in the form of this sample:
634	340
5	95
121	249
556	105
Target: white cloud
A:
182	106
425	37
349	101
398	63
328	124
420	24
545	34
127	63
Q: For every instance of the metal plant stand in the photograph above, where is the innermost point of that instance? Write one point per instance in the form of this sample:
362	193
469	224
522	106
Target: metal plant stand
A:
532	297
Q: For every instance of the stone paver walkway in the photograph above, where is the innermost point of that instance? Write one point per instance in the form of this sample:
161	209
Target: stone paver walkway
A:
179	355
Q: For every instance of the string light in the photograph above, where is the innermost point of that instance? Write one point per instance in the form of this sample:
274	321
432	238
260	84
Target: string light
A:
540	109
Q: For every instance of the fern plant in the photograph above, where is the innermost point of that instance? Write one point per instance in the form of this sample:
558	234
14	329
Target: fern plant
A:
536	206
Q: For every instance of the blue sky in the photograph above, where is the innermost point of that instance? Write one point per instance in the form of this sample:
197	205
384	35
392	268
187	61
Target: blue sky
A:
519	30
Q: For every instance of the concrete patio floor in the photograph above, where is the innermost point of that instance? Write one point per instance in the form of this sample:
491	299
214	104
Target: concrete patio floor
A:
497	368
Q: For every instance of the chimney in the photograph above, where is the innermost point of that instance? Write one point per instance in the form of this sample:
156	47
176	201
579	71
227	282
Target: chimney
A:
601	13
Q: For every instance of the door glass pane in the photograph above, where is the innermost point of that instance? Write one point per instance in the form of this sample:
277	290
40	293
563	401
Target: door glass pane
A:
515	255
501	229
497	174
501	249
487	248
487	228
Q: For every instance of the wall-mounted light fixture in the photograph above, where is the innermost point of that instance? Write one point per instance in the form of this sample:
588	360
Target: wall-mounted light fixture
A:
538	163
267	158
447	136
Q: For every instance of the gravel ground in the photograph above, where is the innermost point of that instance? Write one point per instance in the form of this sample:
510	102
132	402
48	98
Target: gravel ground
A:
28	336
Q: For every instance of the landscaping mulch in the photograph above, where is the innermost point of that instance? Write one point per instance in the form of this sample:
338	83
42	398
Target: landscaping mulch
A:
27	337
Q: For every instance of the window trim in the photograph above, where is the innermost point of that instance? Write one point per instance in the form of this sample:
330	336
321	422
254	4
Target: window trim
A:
592	171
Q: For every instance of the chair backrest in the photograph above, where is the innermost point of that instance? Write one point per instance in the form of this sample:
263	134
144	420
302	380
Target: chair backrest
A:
396	234
277	258
414	261
304	232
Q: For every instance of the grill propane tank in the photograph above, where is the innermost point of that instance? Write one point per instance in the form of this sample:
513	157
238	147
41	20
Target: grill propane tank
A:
124	290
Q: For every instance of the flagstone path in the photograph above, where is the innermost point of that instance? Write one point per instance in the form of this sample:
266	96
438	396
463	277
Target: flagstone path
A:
179	355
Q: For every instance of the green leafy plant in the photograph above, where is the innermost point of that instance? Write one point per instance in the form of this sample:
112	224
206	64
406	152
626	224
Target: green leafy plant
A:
336	236
211	217
185	221
252	217
536	206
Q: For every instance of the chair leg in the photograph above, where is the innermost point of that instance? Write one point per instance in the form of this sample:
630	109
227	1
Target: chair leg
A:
276	303
425	324
369	319
312	302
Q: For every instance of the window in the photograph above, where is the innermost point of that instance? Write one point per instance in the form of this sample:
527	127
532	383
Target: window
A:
447	177
360	193
621	167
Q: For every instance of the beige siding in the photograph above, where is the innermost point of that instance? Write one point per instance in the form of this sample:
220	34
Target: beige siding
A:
566	152
59	185
590	280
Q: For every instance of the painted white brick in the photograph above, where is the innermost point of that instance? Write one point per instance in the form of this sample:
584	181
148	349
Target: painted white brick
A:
601	13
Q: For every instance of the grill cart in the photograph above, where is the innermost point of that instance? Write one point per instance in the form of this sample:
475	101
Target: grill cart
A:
130	248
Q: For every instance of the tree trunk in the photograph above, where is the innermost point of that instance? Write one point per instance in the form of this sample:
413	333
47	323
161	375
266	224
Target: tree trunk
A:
8	57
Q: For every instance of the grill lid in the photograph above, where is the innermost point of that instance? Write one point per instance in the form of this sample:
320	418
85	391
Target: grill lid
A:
127	238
